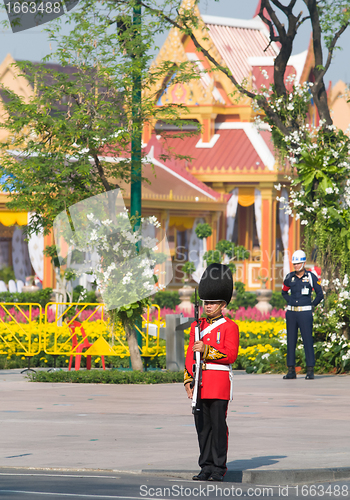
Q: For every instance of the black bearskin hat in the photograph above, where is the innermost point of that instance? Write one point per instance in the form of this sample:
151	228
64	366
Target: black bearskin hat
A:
216	283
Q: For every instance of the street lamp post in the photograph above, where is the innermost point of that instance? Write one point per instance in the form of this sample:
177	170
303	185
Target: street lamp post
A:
136	137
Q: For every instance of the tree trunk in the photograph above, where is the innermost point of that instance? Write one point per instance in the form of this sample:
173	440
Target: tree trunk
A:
135	357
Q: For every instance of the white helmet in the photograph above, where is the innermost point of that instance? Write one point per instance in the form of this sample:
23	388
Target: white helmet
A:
298	257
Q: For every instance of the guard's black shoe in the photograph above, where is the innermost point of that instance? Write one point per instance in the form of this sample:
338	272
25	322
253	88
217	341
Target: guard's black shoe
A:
310	373
216	476
291	373
202	476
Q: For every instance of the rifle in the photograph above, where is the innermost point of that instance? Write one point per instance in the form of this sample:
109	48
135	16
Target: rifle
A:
197	358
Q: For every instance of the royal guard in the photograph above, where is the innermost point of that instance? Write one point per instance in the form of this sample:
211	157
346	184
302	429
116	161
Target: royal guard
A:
297	290
218	345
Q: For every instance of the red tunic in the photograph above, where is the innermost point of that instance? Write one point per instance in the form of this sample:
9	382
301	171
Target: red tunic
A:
221	347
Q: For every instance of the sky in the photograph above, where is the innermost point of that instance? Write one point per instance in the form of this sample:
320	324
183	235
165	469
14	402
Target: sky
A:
32	44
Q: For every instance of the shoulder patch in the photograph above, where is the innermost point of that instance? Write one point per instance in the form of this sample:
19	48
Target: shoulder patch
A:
318	282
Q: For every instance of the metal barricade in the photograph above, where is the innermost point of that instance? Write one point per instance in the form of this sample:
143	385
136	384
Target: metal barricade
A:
27	330
21	328
60	334
151	347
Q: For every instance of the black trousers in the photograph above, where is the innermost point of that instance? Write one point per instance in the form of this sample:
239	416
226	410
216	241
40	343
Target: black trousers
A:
212	434
304	321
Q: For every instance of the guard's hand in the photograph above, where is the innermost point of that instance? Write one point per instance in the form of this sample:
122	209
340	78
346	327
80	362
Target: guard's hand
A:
189	391
198	346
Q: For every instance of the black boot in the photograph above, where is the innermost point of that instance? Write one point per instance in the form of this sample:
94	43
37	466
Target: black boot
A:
310	373
291	373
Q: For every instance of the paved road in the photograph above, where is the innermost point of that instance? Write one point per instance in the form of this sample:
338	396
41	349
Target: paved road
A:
275	425
94	485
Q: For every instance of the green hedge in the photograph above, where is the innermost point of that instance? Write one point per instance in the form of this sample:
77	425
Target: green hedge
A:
277	301
41	297
107	377
167	299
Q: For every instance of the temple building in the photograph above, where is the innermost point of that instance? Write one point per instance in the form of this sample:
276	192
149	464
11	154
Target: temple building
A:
232	155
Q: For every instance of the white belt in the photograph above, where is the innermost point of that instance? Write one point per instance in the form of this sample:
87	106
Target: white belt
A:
299	308
213	366
222	368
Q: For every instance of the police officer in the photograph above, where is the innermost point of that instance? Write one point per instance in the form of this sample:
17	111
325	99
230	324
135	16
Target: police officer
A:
296	290
219	348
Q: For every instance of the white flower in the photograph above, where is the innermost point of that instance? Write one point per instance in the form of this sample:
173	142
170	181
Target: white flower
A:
264	74
278	187
126	253
149	242
324	211
147	273
126	279
153	220
93	236
329	190
265	356
132	237
116	246
90	216
106	222
303	222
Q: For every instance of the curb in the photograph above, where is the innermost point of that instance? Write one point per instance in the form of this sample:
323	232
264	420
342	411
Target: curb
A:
249	476
267	477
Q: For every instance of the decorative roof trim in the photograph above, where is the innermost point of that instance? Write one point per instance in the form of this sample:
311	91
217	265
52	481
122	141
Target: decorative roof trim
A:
255	138
209	144
297	61
150	157
252	24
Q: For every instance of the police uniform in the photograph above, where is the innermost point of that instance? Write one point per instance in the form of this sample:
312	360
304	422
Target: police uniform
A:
299	313
221	339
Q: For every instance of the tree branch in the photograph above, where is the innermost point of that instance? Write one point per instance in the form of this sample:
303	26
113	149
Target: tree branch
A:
280	27
330	53
302	21
101	172
273	37
281	7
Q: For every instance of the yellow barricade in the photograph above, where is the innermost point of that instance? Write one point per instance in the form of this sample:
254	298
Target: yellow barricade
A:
21	329
61	337
151	347
26	331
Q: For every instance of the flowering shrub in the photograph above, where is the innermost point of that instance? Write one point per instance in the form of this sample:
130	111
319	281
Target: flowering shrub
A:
318	167
21	316
249	314
253	314
333	316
